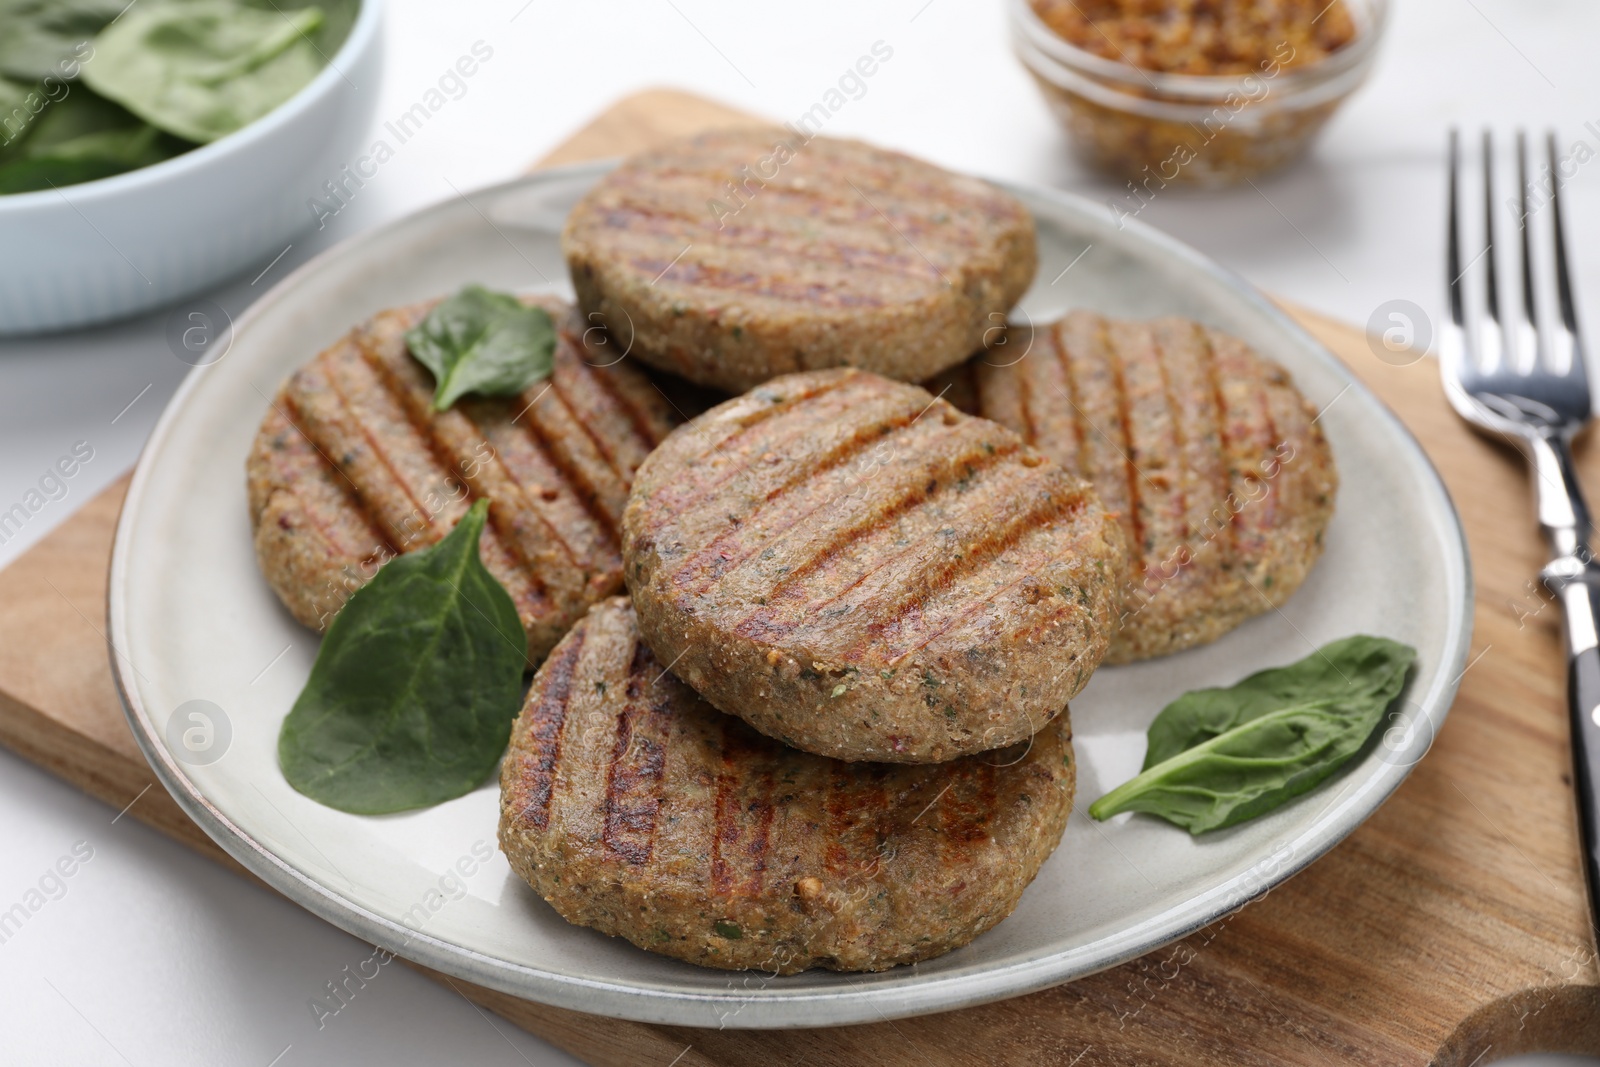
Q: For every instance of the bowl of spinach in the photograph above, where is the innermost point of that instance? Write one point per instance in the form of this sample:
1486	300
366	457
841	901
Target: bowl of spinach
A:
148	151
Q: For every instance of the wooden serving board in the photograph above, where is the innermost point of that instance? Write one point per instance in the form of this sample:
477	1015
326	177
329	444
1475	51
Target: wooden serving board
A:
1450	929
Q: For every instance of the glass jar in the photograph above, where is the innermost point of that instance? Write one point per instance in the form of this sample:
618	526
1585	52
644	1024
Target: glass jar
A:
1156	129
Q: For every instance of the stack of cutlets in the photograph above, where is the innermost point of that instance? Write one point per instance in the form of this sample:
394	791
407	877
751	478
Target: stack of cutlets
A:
829	728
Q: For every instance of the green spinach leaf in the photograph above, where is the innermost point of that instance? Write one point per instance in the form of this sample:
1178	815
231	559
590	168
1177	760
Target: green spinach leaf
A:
79	114
338	17
83	159
414	690
80	138
40	38
20	107
483	342
1217	757
201	69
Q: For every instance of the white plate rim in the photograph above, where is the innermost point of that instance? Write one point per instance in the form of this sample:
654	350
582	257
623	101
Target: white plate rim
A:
848	1003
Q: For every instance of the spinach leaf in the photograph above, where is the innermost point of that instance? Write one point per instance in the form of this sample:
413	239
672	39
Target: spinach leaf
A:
80	138
1220	756
338	17
38	36
79	114
201	69
484	342
419	677
20	107
95	155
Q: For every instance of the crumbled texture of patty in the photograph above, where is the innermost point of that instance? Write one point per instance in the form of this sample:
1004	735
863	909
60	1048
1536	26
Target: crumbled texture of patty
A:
352	467
636	808
1205	37
737	256
1212	460
858	569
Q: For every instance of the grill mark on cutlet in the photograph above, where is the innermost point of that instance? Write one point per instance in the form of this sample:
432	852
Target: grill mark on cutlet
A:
1055	509
964	814
616	396
298	460
1265	508
638	760
856	801
1058	346
548	441
1155	438
551	496
406	539
1189	555
653	185
756	279
551	447
763	623
803	442
661	220
336	431
1228	552
453	435
1029	431
695	493
1180	468
724	826
709	565
1136	546
545	726
501	554
757	850
1103	461
568	367
739	845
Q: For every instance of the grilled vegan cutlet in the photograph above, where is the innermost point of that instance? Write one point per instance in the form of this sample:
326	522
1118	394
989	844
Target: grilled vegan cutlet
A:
736	256
1213	461
636	808
857	569
352	467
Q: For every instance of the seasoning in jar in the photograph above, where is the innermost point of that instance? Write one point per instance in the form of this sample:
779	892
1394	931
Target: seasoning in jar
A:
1206	37
1195	91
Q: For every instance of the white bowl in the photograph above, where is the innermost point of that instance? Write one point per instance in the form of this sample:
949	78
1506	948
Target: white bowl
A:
109	248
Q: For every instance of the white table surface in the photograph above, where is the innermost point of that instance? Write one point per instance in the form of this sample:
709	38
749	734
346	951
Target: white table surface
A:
156	956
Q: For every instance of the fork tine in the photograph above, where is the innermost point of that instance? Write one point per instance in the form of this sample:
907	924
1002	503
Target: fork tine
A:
1572	344
1569	315
1547	400
1491	334
1454	339
1526	353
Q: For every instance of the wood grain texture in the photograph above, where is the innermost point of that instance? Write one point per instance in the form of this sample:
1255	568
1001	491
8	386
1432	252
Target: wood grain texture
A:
1449	929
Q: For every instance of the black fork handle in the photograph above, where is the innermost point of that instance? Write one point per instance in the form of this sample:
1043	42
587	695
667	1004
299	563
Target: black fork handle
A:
1583	694
1574	577
1579	591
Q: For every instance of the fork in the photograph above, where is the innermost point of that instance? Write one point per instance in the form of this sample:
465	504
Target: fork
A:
1531	386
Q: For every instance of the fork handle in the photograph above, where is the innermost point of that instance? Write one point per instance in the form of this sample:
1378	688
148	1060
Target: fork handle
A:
1574	577
1584	695
1563	512
1578	585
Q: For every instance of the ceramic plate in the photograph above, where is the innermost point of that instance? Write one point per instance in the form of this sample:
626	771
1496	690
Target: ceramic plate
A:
193	621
